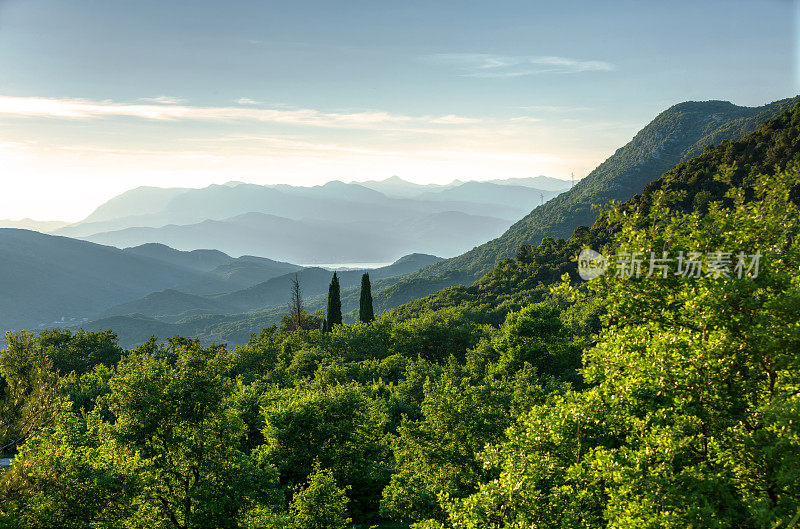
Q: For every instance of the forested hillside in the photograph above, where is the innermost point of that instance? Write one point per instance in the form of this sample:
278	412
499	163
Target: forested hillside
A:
677	134
530	399
691	185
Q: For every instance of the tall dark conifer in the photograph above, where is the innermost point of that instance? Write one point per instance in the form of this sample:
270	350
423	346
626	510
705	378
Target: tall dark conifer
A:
365	313
334	304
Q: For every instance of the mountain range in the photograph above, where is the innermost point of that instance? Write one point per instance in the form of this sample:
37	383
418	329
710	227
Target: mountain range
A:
396	187
52	280
675	135
335	222
151	288
317	240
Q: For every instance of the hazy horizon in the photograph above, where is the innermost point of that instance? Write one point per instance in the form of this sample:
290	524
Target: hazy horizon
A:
455	181
193	94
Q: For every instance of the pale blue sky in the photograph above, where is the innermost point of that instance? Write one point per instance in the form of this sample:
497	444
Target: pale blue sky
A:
100	96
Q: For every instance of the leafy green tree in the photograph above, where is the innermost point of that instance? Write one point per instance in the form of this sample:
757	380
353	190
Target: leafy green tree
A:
340	427
29	388
259	356
537	337
320	503
334	314
365	312
359	341
436	336
436	456
172	407
525	254
79	351
29	375
71	475
87	391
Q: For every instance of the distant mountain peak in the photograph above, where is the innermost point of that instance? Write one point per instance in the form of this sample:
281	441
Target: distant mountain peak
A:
334	183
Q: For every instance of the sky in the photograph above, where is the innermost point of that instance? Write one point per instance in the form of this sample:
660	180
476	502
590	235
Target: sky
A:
101	96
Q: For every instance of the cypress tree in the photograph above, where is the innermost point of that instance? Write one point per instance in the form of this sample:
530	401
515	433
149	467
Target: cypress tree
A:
334	304
365	313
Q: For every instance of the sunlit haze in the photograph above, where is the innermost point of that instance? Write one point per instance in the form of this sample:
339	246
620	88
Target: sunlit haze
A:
97	97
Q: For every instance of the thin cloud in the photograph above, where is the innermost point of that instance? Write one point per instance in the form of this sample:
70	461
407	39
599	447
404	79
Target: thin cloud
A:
282	147
525	119
246	101
83	109
500	66
164	100
451	119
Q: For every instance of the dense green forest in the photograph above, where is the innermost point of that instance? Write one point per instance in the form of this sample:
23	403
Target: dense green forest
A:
529	399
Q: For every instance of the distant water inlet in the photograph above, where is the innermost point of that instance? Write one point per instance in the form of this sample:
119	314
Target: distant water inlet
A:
347	266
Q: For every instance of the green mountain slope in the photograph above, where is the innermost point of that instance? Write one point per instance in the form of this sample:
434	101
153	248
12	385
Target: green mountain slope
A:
775	146
677	134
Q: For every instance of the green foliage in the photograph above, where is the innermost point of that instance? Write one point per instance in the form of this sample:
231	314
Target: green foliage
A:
73	475
693	417
435	456
360	341
79	352
87	391
260	355
28	390
437	336
525	254
341	428
302	321
334	313
320	504
365	312
524	400
170	408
